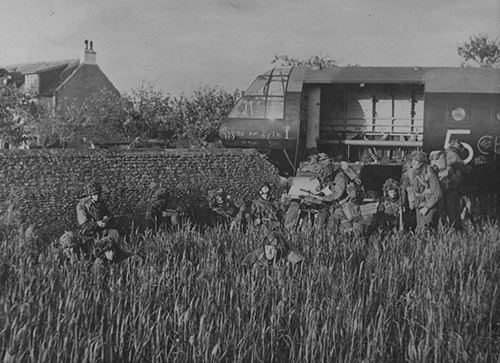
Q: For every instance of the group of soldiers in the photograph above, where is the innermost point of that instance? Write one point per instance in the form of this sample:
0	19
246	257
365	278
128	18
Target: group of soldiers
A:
428	190
431	189
97	238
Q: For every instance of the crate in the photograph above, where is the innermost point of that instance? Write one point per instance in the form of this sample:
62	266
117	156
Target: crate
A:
368	210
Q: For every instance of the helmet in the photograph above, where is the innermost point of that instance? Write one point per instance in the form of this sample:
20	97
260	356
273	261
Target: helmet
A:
69	239
104	244
93	188
419	156
391	184
161	193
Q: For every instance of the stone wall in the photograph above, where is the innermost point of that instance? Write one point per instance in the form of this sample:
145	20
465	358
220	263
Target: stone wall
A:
47	184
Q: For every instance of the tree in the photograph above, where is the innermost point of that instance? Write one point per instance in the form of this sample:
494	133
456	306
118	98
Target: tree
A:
314	61
21	117
102	116
199	116
480	49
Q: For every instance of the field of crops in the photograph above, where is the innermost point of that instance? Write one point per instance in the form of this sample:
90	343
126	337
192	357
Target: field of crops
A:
391	299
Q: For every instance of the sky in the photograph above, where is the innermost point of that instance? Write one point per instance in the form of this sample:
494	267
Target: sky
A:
181	45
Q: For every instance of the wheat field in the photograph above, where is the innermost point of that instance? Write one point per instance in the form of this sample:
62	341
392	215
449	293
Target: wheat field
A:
391	298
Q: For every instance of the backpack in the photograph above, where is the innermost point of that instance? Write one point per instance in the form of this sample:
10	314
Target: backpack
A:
354	188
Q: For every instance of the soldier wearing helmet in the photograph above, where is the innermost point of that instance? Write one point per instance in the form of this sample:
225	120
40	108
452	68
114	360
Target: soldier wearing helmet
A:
275	250
263	210
162	212
221	203
451	170
389	209
423	191
94	218
69	247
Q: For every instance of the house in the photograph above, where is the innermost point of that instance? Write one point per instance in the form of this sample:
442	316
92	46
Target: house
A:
59	84
63	83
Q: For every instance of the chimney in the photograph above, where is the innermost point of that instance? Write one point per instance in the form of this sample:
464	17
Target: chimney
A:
89	54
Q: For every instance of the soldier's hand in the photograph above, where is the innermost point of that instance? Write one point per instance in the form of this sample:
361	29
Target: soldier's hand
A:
424	211
101	224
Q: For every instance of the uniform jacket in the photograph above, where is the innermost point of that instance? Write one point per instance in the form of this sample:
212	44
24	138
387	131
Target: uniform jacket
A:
424	186
227	209
263	209
451	169
388	212
89	213
154	213
338	187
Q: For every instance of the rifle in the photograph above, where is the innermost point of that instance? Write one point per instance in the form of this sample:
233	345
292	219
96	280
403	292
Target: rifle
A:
401	206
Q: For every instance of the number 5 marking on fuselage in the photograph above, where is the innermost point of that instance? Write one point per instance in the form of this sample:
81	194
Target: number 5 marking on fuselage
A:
467	146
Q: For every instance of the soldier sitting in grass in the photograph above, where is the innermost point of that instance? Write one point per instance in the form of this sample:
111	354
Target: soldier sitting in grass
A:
222	204
264	212
94	218
69	248
162	212
275	250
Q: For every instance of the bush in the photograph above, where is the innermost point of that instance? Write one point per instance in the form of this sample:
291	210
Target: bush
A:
147	113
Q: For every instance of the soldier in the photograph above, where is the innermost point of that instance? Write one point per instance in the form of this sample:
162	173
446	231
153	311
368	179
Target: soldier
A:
107	251
389	209
161	212
263	210
94	219
423	192
451	169
345	213
222	204
275	250
69	247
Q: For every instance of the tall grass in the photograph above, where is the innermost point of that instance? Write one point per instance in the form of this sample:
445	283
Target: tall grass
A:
393	298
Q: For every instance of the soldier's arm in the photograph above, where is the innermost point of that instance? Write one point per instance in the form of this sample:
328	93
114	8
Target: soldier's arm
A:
435	193
253	208
106	212
84	220
338	187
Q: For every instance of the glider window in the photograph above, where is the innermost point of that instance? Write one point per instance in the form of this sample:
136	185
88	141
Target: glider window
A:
265	96
249	107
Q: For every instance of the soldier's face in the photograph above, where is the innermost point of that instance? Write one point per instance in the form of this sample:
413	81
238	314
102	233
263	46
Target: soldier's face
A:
95	197
392	194
270	252
110	255
416	164
264	193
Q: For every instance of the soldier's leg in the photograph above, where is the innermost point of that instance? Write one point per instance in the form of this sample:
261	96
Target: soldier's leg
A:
292	215
175	220
334	221
427	221
111	234
452	207
321	219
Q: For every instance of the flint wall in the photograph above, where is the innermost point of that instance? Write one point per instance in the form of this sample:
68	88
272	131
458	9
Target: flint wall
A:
45	185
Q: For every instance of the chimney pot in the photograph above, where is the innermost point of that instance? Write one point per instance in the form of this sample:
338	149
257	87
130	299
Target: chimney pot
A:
89	56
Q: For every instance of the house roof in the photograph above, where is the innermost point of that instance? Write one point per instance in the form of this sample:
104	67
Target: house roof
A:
40	67
62	70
